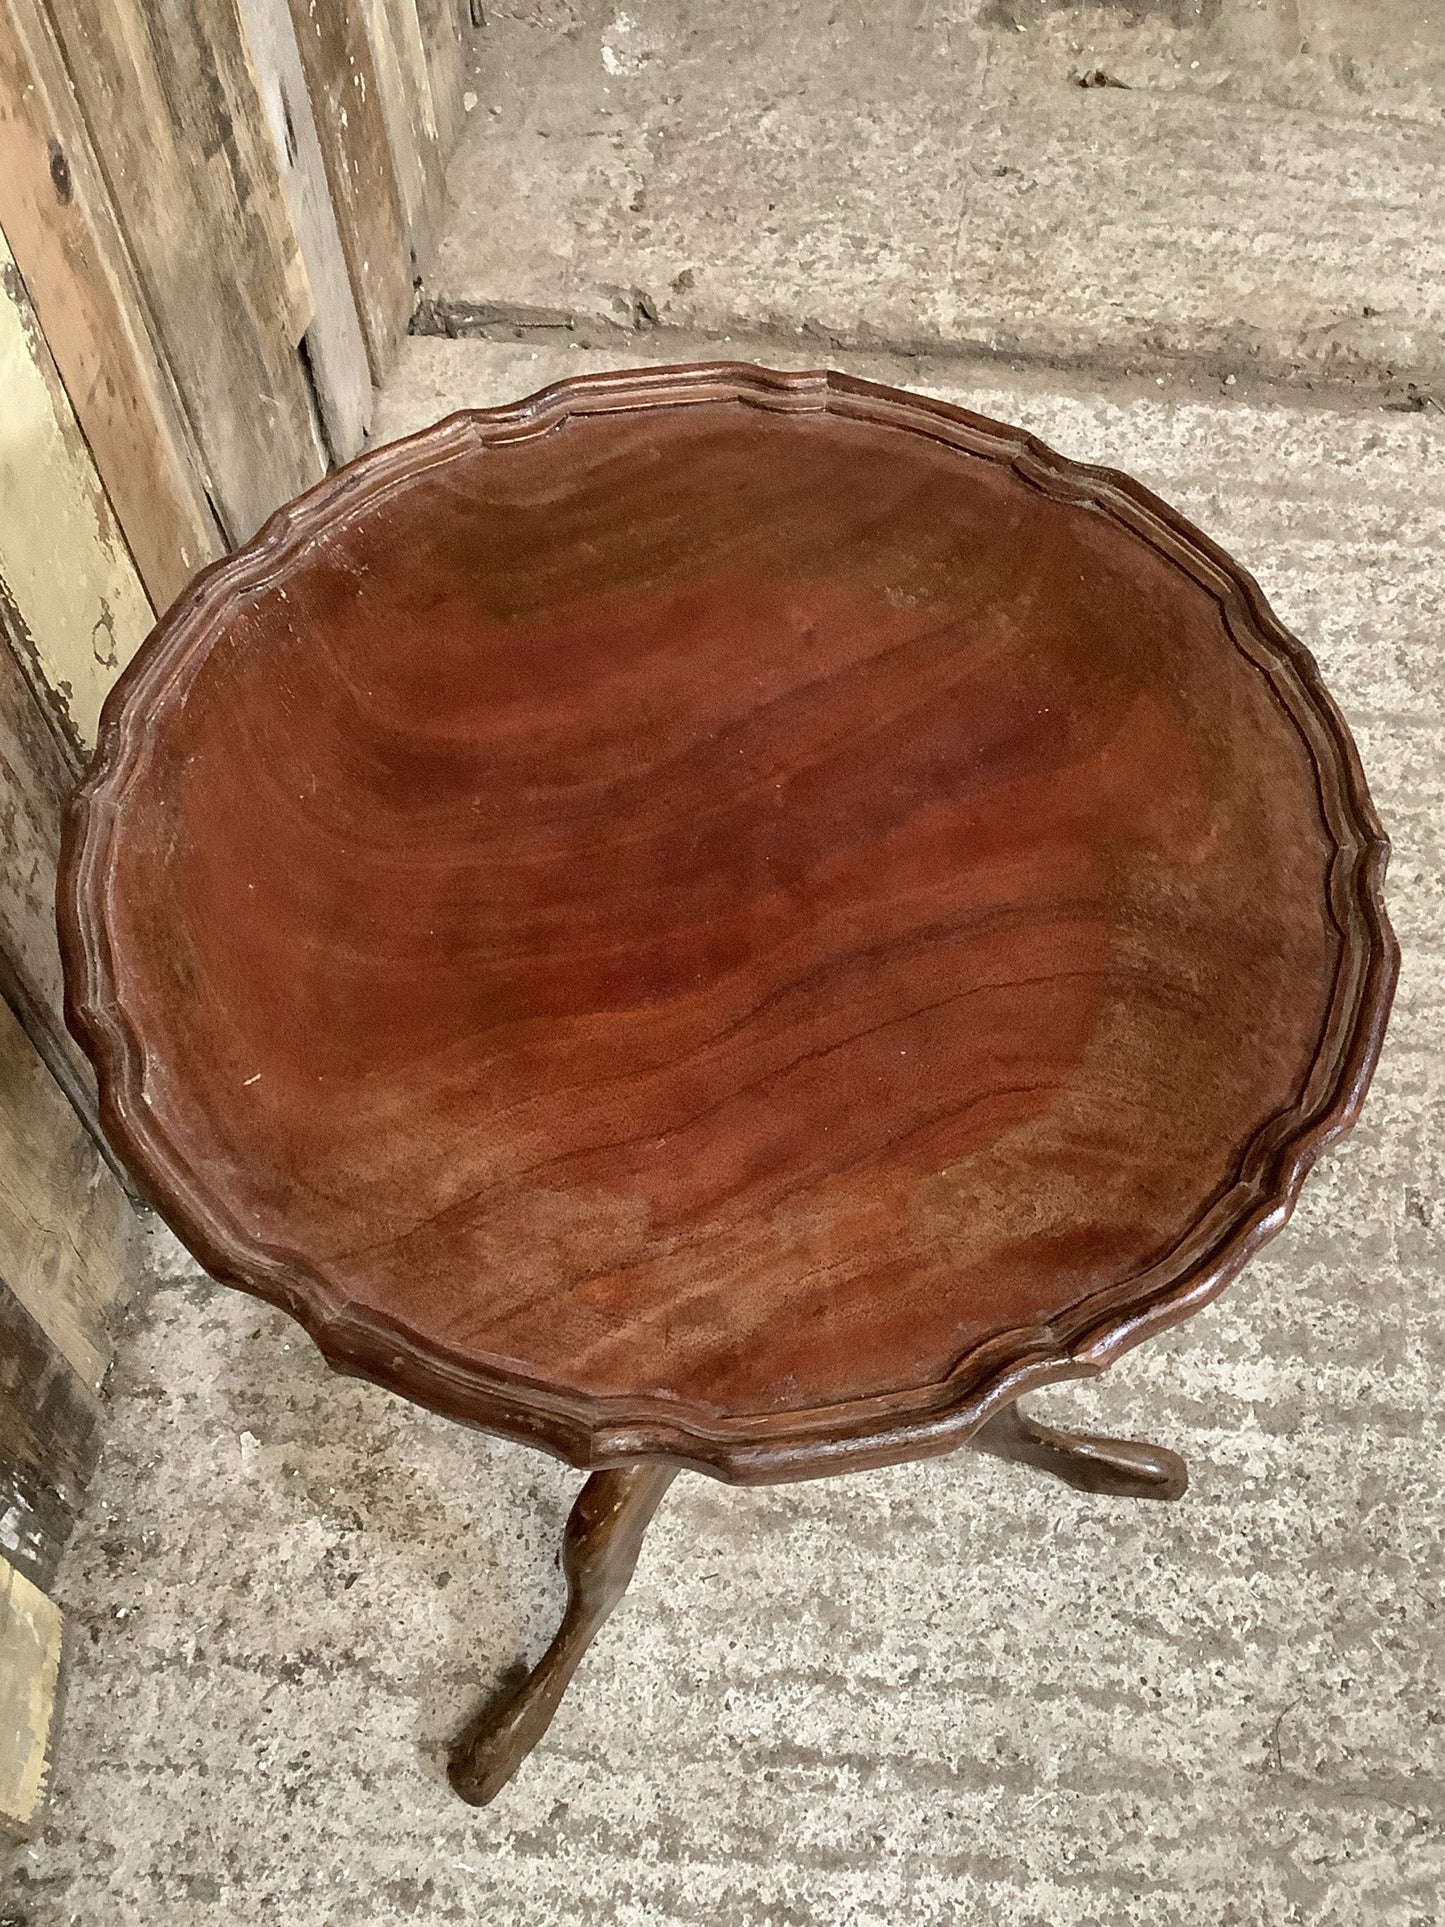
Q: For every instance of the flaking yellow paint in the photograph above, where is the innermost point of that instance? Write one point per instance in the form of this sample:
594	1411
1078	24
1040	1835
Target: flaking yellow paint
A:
64	565
30	1630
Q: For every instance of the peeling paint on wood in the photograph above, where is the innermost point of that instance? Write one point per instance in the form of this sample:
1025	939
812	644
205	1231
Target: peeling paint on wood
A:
30	1636
57	217
63	559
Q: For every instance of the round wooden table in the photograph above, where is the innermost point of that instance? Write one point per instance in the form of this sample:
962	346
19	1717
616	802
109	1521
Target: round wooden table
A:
731	920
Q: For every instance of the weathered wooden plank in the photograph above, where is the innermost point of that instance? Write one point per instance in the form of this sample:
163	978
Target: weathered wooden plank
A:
49	1442
351	125
72	609
334	341
68	579
58	219
441	32
425	127
37	766
177	125
401	73
35	771
30	1644
66	1229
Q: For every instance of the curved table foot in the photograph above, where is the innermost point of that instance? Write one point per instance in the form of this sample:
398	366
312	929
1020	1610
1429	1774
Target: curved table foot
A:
1124	1468
599	1553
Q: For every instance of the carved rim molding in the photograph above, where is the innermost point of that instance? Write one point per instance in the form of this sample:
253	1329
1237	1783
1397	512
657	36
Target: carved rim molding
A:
593	1432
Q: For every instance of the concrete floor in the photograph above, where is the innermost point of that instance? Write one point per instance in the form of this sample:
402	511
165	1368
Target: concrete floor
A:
1249	187
950	1692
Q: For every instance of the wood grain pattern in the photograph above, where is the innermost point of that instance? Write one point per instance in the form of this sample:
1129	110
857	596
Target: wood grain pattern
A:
66	1233
400	62
72	609
441	32
346	100
334	341
76	605
36	773
65	1225
176	122
59	222
741	917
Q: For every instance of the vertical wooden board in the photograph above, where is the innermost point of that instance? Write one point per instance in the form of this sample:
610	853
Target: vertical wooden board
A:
441	32
66	1229
334	341
70	585
399	112
215	68
57	216
178	128
416	69
30	1641
346	101
411	128
49	1443
35	773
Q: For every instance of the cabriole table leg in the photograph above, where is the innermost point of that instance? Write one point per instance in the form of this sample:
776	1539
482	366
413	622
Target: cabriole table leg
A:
599	1554
1124	1468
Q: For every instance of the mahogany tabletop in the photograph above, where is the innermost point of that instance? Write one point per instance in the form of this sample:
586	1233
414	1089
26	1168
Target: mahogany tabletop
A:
732	916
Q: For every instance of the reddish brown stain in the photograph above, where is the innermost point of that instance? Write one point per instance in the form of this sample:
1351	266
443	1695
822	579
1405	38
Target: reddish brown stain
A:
720	906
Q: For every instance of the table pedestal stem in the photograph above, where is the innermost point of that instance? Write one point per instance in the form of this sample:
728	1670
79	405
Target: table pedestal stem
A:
599	1553
605	1533
1123	1468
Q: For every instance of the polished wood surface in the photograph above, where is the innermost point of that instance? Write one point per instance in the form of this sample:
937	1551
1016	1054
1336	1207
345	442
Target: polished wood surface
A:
733	916
1117	1468
599	1556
